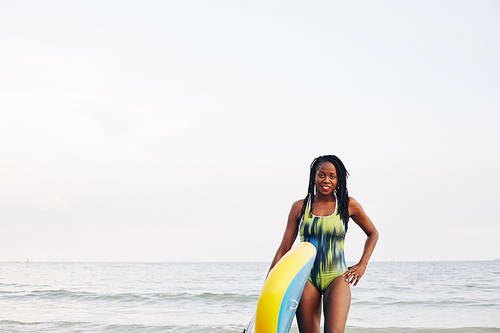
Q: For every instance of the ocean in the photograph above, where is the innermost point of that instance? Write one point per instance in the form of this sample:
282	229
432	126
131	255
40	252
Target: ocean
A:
221	297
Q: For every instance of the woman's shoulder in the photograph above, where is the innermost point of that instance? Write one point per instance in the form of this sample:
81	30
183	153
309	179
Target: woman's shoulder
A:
296	209
298	204
354	205
353	202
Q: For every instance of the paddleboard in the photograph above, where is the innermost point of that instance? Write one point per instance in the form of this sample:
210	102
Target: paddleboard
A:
280	296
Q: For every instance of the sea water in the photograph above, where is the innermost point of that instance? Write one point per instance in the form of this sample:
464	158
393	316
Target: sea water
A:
222	297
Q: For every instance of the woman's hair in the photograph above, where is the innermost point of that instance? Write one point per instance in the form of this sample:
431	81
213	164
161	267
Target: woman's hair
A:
340	190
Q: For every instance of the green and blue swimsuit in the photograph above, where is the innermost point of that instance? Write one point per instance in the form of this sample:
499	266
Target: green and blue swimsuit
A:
327	234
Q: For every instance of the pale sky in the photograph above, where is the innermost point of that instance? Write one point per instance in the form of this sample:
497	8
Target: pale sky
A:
184	130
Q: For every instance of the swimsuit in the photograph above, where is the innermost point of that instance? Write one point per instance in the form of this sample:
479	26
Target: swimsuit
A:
327	234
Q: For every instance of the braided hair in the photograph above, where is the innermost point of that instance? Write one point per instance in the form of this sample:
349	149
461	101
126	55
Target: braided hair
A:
341	189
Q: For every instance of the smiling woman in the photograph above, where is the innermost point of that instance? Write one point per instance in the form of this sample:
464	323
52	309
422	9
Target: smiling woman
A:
321	218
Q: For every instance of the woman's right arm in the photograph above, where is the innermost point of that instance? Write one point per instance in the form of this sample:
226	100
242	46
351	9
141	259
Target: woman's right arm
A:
291	231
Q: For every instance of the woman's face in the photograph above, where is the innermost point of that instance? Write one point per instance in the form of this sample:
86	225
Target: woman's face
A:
326	178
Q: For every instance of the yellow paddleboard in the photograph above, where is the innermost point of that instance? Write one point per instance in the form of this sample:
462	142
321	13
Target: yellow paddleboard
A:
280	296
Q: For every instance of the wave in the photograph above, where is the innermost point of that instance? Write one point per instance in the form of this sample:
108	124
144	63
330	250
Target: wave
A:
454	302
64	326
420	330
63	294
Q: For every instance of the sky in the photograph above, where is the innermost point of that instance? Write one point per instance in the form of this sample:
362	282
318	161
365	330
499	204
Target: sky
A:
184	130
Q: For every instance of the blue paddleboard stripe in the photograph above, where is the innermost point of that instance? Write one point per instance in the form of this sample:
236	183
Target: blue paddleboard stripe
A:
293	292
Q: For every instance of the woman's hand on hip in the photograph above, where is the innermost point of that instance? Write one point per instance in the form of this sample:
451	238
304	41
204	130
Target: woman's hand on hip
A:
354	274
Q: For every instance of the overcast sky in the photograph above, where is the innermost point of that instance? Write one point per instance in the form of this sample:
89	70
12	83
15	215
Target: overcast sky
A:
184	130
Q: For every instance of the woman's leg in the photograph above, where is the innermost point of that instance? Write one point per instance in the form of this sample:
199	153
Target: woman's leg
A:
337	301
309	310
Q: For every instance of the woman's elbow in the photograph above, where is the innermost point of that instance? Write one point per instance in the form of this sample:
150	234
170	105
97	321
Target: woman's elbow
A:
374	234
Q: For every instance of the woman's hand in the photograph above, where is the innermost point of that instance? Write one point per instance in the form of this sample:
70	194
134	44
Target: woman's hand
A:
354	274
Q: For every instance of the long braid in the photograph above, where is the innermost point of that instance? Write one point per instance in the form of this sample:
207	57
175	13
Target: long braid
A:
341	189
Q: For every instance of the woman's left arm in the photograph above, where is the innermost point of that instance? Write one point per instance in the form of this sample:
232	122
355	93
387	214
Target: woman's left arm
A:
358	215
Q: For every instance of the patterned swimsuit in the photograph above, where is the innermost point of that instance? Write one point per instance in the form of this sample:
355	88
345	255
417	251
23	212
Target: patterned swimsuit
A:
327	234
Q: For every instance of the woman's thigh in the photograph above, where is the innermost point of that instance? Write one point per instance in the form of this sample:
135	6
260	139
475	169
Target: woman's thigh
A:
309	310
336	301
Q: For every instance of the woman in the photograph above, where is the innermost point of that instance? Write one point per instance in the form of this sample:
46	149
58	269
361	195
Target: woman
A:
322	217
